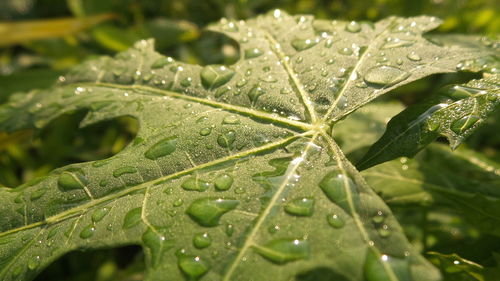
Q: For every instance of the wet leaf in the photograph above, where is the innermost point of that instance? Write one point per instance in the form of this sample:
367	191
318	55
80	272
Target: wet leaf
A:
455	113
294	203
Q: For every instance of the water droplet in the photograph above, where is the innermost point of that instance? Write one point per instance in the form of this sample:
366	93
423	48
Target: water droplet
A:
336	187
34	262
161	62
379	217
231	119
99	214
132	218
253	53
38	193
285	91
413	56
193	266
255	93
241	83
273	229
194	183
464	123
385	75
304	44
161	148
300	207
335	221
213	76
205	131
345	51
186	82
124	170
87	232
384	231
70	180
226	139
178	202
230	26
229	230
284	250
223	182
376	267
208	211
202	240
396	43
353	27
268	79
221	91
156	243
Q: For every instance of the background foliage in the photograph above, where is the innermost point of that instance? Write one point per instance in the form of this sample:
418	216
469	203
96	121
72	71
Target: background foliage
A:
34	54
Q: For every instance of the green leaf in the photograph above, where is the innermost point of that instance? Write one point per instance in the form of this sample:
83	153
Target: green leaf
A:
456	113
489	63
457	268
294	205
463	180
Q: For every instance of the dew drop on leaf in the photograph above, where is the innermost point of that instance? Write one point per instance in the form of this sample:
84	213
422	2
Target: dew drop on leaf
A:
194	183
377	266
345	51
413	56
223	182
161	148
186	82
379	217
253	53
385	75
99	214
124	170
397	43
304	44
464	123
284	250
255	93
384	231
161	62
353	27
132	218
34	262
335	221
226	139
87	232
229	230
178	202
231	120
70	181
202	240
300	207
336	187
205	131
193	266
214	76
208	211
37	194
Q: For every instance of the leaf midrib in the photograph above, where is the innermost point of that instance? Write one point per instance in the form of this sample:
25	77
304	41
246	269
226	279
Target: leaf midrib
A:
225	106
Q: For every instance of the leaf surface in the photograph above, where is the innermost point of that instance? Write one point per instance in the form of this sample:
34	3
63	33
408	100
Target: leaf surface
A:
234	174
455	113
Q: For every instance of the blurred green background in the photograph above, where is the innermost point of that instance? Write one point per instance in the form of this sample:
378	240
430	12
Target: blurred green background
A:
40	40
